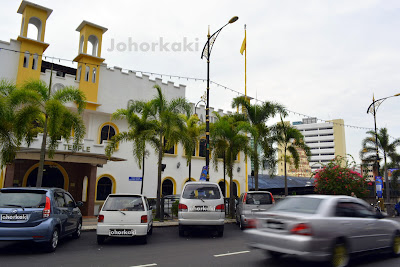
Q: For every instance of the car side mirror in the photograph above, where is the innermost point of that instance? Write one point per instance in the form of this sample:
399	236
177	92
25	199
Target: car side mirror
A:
79	204
151	207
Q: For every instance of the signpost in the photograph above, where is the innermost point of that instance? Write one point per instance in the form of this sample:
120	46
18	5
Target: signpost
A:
203	175
136	179
379	186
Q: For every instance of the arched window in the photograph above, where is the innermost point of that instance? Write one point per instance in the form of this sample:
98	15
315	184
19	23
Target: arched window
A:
81	44
167	187
93	43
203	147
189	180
107	132
35	62
104	188
235	189
94	75
78	74
56	87
222	186
22	27
87	73
34	29
26	59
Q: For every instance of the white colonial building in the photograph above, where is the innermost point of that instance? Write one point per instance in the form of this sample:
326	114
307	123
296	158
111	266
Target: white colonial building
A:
88	174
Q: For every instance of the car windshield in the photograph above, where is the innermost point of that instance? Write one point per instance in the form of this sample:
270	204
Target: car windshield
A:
199	191
307	205
22	199
124	203
258	199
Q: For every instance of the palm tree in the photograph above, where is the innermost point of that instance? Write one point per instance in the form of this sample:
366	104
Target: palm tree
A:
18	120
289	140
190	137
258	116
385	147
58	120
228	139
142	130
170	126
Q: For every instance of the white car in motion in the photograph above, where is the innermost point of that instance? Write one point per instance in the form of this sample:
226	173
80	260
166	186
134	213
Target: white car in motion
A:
125	215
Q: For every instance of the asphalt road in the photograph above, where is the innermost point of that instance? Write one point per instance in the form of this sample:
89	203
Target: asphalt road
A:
164	248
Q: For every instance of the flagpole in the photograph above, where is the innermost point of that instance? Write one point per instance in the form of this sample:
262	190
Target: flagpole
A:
245	65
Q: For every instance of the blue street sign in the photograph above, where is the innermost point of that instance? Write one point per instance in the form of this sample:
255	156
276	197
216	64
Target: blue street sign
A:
137	179
203	175
379	186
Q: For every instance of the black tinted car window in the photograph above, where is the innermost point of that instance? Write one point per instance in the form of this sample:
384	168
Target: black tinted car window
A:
307	205
22	199
199	191
69	202
127	203
259	199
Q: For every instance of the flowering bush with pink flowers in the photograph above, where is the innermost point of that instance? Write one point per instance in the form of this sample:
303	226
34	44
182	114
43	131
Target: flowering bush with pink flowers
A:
339	178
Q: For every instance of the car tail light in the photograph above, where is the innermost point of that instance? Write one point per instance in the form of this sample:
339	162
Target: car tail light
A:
143	219
251	223
46	210
272	198
100	218
182	207
301	229
220	207
244	197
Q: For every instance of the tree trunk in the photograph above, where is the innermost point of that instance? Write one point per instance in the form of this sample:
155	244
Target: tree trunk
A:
190	169
39	178
387	187
255	166
286	188
231	196
141	188
158	202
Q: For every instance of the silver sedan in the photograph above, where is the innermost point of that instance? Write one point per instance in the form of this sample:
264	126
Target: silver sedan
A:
323	228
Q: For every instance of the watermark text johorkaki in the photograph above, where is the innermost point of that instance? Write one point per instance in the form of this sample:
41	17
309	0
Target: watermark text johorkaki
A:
160	46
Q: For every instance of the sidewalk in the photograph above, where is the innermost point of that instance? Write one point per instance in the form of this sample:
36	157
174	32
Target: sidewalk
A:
90	223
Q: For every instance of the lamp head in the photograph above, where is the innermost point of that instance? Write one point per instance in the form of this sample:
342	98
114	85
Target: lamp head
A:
232	20
396	94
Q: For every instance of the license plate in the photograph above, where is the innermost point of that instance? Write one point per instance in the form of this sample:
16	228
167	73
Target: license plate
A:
203	208
122	232
14	217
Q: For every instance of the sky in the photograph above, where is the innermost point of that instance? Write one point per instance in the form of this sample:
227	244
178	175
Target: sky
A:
323	59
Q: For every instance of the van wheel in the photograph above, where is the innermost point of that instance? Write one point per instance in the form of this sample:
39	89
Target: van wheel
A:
274	255
143	240
340	255
101	239
151	230
51	245
220	231
181	231
241	225
396	245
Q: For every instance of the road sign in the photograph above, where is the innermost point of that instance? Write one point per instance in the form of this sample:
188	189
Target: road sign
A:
203	175
136	179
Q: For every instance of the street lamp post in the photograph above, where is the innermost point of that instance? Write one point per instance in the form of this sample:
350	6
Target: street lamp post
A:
373	108
206	53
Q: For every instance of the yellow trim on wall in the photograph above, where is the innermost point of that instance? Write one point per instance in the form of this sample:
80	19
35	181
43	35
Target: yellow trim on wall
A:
173	182
113	187
2	174
59	167
101	127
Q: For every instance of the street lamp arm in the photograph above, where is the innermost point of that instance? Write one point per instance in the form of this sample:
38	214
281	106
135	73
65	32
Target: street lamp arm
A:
205	53
381	99
195	107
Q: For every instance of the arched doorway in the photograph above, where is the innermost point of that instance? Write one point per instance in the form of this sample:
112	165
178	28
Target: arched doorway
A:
235	189
167	187
104	188
52	177
222	186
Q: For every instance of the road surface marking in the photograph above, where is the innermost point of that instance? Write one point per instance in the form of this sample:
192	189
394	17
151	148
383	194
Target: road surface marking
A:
233	253
145	265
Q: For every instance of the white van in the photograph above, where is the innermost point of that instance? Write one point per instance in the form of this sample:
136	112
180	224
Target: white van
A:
201	205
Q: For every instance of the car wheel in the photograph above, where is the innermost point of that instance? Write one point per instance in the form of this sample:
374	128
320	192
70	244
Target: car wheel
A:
397	212
241	225
237	221
52	244
181	231
78	231
101	239
274	255
396	245
150	232
340	255
220	231
143	240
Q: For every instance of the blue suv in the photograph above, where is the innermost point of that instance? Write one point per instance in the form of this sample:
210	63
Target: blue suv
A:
42	215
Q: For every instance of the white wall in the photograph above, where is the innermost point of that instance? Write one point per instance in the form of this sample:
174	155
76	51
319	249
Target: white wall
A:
9	60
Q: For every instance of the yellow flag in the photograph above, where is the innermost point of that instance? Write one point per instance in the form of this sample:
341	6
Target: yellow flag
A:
243	46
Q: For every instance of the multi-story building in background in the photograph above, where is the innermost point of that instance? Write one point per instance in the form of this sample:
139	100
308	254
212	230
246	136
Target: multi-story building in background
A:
326	141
